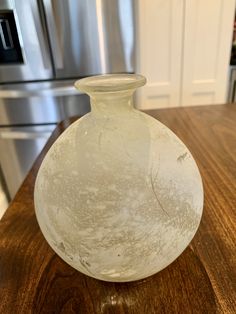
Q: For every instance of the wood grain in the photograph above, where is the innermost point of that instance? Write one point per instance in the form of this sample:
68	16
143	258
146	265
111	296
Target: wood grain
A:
33	279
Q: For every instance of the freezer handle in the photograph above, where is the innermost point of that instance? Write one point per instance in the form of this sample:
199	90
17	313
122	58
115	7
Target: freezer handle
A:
53	29
53	92
19	135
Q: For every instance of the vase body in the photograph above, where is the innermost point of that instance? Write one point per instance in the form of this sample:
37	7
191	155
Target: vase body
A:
118	196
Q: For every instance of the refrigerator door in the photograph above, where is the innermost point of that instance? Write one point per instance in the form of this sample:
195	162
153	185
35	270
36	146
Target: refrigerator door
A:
24	47
19	148
40	103
91	37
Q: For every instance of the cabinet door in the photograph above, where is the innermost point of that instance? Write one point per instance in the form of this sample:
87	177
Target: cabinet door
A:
160	31
207	45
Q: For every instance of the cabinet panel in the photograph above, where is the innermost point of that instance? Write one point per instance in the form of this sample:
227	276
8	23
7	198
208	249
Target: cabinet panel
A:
160	31
206	51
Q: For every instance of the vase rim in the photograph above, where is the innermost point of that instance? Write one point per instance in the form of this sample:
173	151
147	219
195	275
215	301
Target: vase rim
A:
110	83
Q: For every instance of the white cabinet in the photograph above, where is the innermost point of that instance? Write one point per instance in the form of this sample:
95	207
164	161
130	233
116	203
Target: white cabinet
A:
160	27
183	50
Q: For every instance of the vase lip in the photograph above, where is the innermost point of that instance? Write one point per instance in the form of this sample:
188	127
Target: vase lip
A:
110	83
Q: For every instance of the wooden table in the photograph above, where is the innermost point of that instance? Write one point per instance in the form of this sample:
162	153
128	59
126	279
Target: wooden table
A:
33	279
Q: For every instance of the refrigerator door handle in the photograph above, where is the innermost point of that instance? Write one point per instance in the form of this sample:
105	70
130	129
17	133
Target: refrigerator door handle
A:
41	36
19	135
54	39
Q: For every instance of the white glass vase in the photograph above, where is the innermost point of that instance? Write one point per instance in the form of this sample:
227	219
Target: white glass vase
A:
118	196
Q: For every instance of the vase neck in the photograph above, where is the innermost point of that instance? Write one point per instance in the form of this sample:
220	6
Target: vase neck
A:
108	103
111	94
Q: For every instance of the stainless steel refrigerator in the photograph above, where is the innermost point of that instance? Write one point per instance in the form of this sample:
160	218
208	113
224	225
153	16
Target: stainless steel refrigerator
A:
44	46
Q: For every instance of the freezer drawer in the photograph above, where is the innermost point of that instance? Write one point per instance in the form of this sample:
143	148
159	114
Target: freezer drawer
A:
29	110
75	105
19	147
40	103
91	37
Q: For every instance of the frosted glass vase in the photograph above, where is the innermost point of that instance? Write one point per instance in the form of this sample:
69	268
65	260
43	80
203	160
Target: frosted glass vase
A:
118	196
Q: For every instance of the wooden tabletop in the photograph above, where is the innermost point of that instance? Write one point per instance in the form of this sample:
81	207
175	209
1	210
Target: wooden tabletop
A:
33	279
